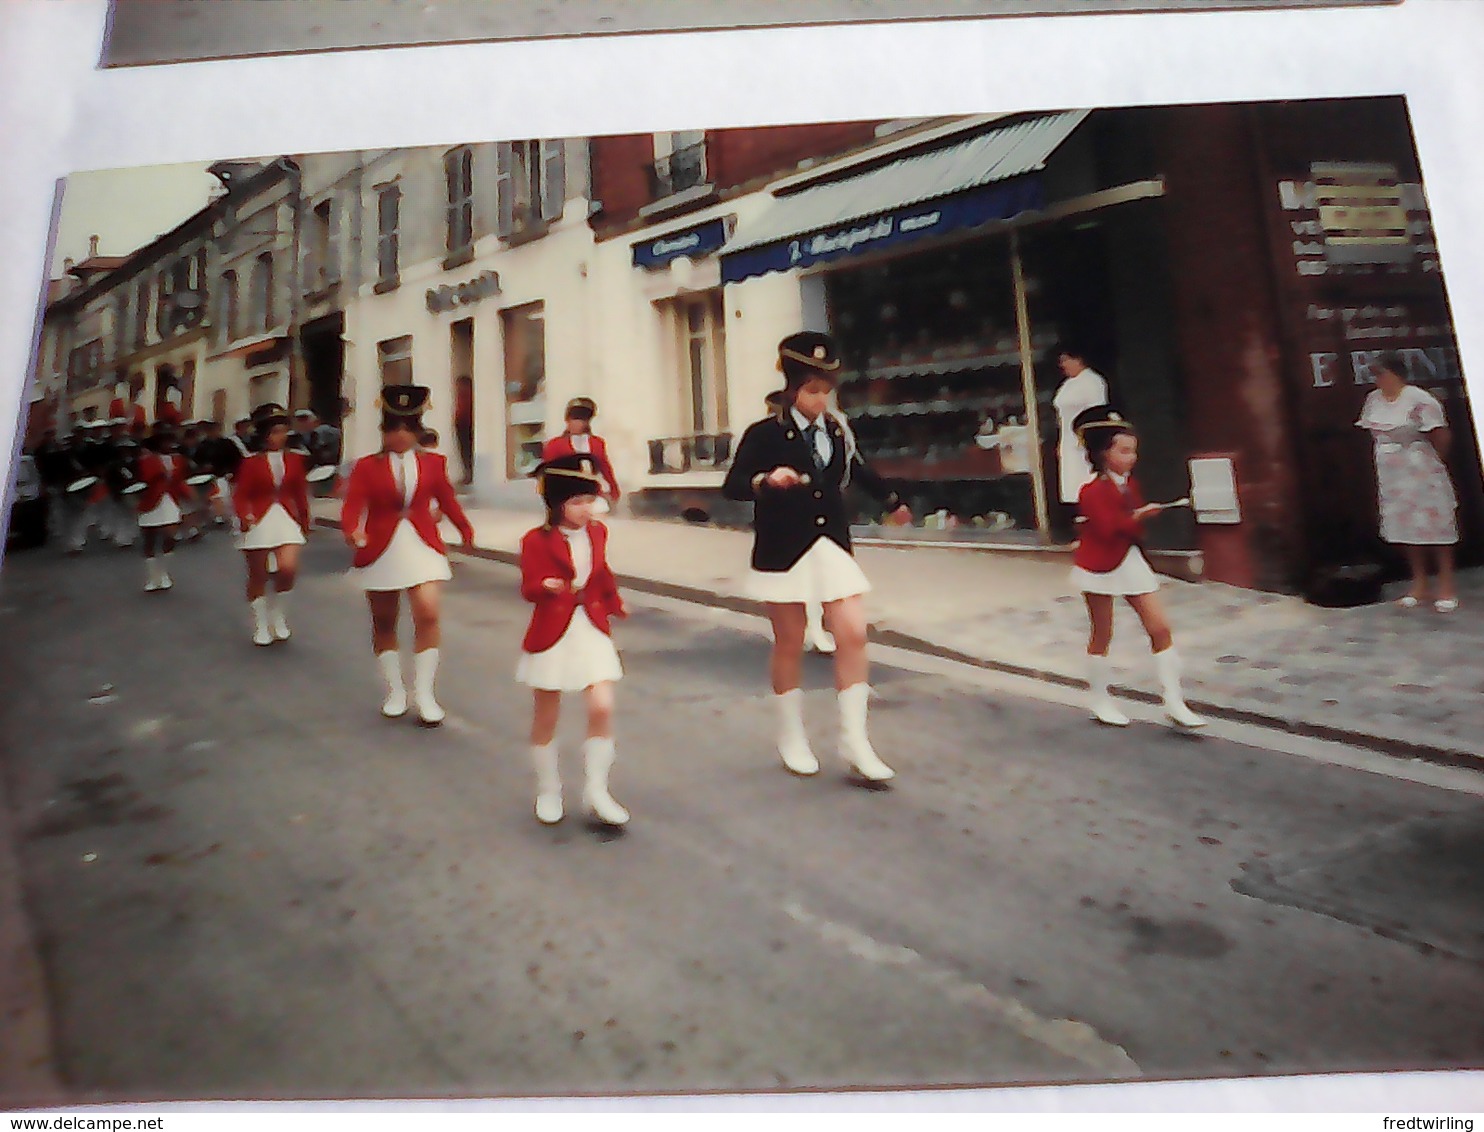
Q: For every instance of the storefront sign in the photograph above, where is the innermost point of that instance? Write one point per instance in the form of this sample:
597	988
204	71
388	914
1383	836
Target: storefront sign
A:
442	299
1358	218
968	210
691	242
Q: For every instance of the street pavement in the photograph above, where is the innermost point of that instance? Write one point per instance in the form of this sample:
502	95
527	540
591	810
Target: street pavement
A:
1402	681
244	883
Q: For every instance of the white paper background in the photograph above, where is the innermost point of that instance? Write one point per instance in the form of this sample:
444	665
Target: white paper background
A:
59	113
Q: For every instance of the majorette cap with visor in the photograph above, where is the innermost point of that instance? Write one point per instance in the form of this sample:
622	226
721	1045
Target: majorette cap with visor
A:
563	477
1096	427
806	355
583	408
404	400
268	416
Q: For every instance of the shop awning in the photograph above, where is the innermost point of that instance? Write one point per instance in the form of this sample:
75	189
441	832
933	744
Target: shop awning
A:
983	179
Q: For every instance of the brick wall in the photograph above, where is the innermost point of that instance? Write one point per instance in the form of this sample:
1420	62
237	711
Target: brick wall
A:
1229	340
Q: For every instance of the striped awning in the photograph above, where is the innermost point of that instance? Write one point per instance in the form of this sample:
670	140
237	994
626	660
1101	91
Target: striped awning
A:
982	179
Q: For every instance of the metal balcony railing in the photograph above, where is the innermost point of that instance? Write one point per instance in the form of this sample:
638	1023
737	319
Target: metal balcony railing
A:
683	169
676	454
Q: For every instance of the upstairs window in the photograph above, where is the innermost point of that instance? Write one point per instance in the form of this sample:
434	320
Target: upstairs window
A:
458	175
388	219
531	184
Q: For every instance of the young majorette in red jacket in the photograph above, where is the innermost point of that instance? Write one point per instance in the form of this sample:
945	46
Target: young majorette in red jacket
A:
568	646
1109	563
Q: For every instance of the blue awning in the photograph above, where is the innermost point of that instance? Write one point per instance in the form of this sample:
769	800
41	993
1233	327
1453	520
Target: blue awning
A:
986	178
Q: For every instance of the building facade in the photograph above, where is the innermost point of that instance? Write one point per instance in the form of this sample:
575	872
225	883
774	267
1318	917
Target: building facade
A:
1232	270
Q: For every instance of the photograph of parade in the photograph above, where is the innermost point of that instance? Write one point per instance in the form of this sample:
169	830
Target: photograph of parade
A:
858	604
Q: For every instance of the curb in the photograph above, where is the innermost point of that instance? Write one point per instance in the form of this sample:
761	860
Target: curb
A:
895	638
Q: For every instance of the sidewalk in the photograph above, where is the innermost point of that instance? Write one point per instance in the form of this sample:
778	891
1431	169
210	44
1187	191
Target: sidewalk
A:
1407	682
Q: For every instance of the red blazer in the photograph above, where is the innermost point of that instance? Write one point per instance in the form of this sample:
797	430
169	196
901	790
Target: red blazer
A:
1110	527
159	479
545	553
562	446
253	491
373	504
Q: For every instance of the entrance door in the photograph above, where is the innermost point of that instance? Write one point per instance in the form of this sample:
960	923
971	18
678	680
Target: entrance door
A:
324	367
461	358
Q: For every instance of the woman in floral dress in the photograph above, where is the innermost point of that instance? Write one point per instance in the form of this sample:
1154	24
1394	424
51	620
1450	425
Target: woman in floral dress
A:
1418	503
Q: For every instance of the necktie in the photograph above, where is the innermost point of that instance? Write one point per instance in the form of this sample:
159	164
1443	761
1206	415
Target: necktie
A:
815	432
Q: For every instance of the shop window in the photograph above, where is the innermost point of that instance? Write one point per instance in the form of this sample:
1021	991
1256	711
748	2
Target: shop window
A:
530	184
458	176
932	383
388	221
394	359
525	386
699	327
679	163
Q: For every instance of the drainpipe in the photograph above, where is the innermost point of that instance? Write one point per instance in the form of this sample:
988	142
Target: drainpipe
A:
297	399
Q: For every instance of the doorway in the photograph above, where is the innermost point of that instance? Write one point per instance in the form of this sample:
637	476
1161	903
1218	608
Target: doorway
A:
324	367
461	366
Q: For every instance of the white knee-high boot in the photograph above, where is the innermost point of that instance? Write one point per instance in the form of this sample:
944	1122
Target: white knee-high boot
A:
1167	663
165	580
278	603
152	575
815	635
261	634
855	747
599	754
395	703
1100	700
424	670
793	741
548	783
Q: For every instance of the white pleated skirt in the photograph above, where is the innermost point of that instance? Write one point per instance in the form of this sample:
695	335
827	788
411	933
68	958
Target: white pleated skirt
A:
165	513
1132	576
584	656
276	528
827	572
406	562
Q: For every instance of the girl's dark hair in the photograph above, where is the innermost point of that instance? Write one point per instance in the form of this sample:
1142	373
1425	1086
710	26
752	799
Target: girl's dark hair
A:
1392	362
391	422
1097	450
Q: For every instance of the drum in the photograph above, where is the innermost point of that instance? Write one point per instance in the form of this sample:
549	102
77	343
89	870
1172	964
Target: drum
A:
320	474
134	489
80	485
200	480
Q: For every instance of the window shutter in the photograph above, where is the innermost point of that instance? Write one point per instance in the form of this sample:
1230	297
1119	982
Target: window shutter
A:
505	189
450	180
553	179
332	244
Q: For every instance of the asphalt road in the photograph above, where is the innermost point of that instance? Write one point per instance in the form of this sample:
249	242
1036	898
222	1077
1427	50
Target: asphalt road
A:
154	31
245	883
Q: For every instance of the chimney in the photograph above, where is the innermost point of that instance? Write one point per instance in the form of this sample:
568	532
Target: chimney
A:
92	247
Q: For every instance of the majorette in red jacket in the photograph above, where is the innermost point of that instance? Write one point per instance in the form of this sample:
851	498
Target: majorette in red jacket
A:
597	449
373	504
1110	528
545	553
253	492
162	473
